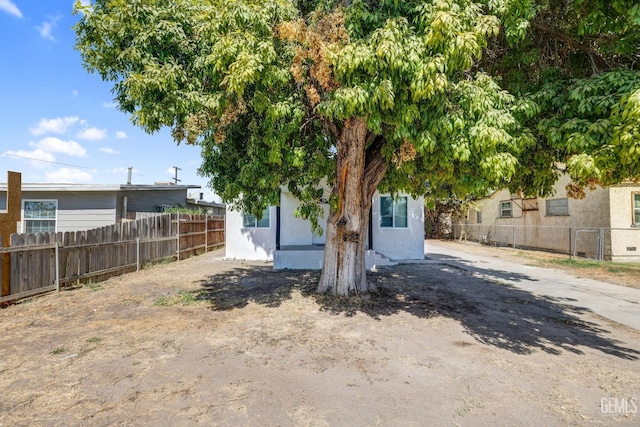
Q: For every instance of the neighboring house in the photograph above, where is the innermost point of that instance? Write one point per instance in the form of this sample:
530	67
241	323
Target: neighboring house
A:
78	207
212	208
396	232
609	217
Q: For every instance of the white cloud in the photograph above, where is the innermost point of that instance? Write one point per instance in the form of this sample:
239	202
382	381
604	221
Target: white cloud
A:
47	27
74	93
57	145
109	104
121	135
68	175
109	150
58	125
35	157
93	134
9	7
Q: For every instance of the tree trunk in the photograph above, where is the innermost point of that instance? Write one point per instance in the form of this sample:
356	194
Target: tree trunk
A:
359	171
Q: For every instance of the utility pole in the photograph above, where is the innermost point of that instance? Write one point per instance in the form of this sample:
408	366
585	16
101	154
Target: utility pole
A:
175	177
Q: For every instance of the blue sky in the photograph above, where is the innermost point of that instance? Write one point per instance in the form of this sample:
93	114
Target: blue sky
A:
58	123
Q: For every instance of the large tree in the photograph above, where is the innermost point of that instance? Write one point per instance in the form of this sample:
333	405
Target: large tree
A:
364	94
579	63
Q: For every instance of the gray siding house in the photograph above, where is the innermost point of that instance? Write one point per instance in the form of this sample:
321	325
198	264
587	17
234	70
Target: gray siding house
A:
77	207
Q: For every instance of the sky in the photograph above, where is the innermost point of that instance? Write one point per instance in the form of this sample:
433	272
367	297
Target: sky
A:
59	124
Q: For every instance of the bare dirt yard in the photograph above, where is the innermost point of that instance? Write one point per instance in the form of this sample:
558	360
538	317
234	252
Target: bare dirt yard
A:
212	342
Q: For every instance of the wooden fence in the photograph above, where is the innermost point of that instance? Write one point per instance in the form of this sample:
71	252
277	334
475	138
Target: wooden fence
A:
47	261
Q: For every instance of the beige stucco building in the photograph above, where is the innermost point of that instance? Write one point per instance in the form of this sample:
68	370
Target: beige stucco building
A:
605	224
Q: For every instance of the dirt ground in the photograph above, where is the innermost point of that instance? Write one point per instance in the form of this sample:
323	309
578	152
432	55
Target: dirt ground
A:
212	342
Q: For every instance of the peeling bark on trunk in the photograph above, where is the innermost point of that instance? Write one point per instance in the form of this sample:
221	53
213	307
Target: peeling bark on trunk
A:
359	171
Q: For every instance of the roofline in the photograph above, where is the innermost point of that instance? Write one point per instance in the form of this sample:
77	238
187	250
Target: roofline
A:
97	187
205	203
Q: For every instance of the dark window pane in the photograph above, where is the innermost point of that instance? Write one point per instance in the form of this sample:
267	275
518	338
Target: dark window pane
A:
386	212
248	220
264	221
401	212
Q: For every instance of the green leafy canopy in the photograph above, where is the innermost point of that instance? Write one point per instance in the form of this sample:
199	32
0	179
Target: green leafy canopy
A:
265	86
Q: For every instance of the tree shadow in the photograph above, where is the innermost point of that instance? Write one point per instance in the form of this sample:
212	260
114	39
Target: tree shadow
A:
494	314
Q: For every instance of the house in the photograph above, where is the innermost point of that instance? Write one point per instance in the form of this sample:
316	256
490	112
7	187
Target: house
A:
605	224
396	232
78	207
212	208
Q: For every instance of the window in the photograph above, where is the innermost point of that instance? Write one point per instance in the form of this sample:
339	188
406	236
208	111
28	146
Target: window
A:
557	207
250	221
478	217
505	210
39	216
636	209
393	213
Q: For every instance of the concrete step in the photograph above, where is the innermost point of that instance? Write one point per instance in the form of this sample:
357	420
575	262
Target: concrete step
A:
375	259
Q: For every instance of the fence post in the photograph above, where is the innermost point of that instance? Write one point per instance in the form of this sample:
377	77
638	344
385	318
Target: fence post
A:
206	233
514	237
57	267
137	253
178	237
570	246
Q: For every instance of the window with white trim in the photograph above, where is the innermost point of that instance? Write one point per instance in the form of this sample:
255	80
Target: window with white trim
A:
251	221
636	209
557	207
393	213
506	209
39	216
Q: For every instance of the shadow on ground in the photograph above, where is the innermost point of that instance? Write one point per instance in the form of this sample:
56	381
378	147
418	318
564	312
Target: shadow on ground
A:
493	314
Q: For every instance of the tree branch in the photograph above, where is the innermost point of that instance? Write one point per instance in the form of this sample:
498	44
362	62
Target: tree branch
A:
375	166
597	61
332	128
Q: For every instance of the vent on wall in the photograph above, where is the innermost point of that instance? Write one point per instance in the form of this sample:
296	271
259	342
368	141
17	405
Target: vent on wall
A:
631	248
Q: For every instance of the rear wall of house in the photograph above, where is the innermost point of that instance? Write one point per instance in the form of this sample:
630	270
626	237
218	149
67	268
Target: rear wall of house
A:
153	200
78	211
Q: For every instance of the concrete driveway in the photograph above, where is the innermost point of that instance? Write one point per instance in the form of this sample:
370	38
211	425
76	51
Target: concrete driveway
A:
614	302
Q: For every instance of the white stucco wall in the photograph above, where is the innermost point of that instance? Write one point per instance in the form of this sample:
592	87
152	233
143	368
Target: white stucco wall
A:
294	231
400	243
249	243
260	243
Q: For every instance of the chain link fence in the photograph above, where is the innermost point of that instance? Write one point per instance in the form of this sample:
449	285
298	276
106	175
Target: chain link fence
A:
597	243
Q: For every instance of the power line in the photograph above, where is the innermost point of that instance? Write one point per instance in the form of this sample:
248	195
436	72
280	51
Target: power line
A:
45	161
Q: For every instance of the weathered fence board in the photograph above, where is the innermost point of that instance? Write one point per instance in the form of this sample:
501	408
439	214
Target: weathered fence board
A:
96	255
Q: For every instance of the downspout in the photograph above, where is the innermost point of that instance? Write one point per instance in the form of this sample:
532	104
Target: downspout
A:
277	228
370	237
